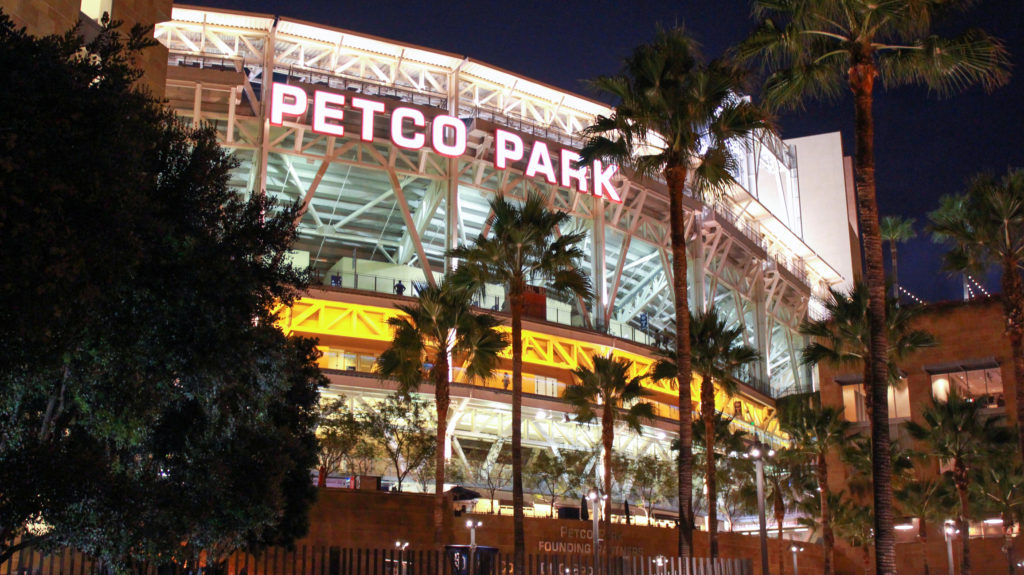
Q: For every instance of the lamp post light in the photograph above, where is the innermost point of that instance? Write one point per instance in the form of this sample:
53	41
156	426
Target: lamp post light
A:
595	498
400	546
795	549
472	525
758	452
948	531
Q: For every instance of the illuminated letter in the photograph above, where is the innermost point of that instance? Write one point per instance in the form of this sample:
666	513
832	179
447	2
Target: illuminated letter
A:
398	117
369	108
322	113
540	162
286	100
569	174
502	153
603	182
437	130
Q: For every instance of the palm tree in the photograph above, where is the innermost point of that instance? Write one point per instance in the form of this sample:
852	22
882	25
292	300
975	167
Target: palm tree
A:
1001	487
928	500
717	352
674	118
985	226
895	230
724	440
843	337
958	431
815	430
438	328
526	243
620	397
813	47
853	523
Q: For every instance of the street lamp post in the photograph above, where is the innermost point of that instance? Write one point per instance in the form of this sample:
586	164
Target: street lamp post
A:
949	530
758	452
472	525
795	549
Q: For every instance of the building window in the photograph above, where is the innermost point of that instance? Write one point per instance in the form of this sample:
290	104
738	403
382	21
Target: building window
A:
855	402
980	380
96	8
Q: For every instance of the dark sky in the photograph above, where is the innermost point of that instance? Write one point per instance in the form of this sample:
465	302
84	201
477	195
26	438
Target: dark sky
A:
925	146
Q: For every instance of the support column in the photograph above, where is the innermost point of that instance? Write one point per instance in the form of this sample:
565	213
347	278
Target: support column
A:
597	265
259	181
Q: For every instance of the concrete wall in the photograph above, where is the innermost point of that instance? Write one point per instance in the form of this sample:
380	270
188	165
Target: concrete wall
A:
348	518
823	200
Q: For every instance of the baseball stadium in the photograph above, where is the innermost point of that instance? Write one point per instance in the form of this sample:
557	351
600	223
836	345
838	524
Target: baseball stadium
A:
394	151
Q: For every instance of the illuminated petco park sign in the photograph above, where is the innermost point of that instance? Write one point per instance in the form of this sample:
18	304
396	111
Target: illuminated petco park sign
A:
446	136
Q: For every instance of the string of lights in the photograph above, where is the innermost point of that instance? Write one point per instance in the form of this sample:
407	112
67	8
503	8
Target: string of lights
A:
911	296
978	285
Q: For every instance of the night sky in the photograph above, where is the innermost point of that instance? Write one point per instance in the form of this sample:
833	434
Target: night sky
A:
926	146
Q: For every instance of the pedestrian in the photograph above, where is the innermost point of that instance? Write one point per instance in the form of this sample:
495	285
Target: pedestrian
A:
399	288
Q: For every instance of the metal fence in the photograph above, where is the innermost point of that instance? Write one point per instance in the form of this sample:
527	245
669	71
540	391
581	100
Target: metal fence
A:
322	560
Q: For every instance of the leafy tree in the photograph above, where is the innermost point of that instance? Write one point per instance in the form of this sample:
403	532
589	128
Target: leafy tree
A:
620	396
896	230
930	501
403	428
958	431
985	227
814	431
558	474
676	117
338	432
494	473
653	481
811	49
439	328
526	243
1000	486
139	352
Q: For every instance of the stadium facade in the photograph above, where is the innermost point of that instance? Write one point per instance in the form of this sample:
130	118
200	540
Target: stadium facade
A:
393	152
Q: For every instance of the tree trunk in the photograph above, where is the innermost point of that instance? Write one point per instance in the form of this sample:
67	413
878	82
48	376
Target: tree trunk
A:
961	480
862	77
922	532
828	538
707	411
607	441
676	180
442	399
1013	311
895	271
780	518
321	476
519	533
1008	545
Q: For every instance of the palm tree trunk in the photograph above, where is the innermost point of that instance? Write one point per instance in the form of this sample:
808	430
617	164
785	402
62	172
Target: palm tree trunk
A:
518	520
862	76
961	480
1013	311
607	441
828	538
442	400
707	411
780	518
1008	545
675	177
922	532
895	271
